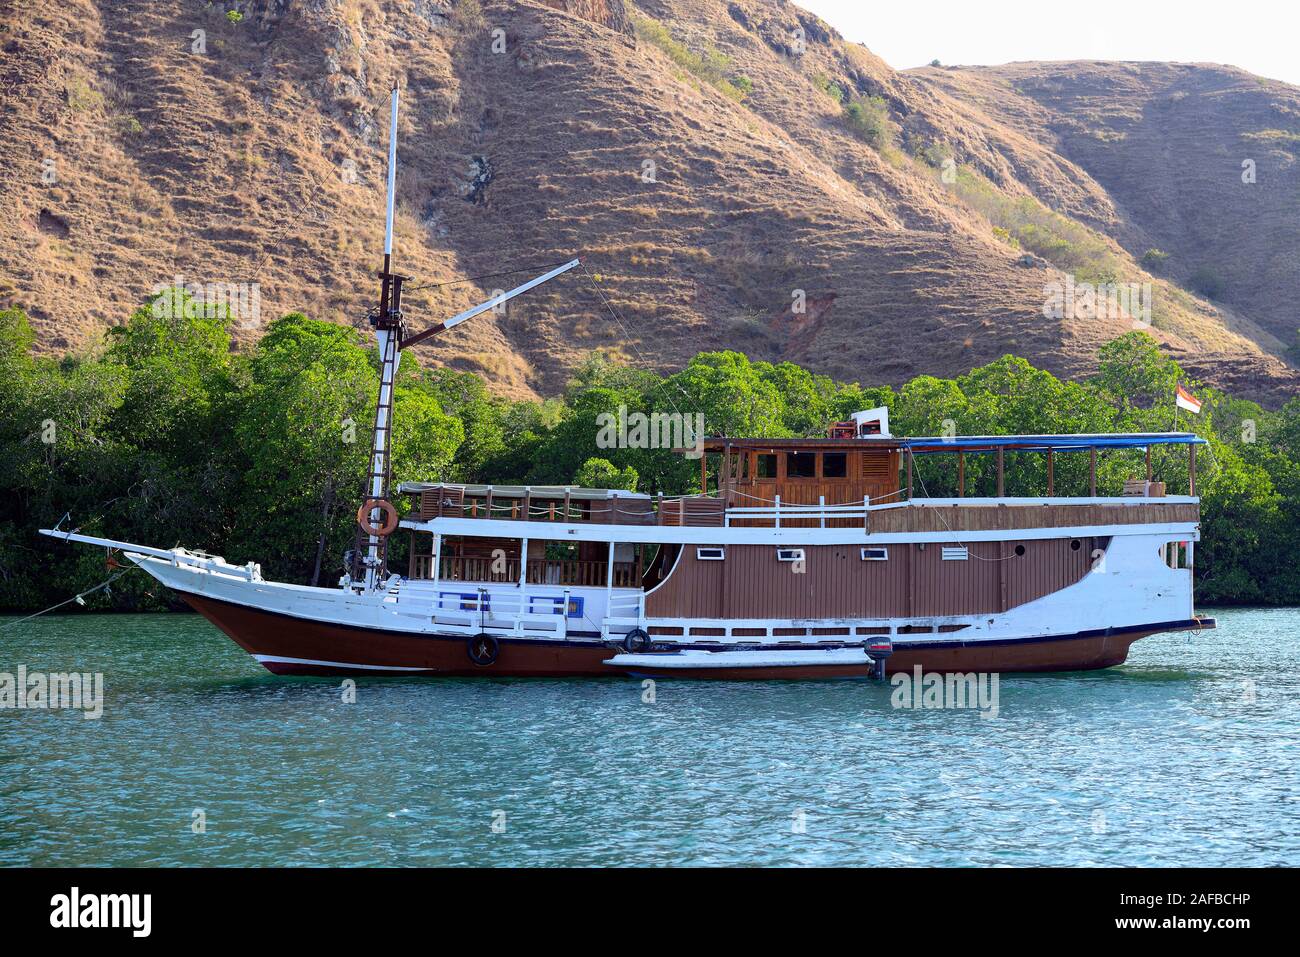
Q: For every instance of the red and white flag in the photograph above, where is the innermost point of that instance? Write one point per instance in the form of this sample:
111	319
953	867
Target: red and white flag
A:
1185	400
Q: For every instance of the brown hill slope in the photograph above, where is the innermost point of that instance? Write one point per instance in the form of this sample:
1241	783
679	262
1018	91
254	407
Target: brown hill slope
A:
1195	160
135	159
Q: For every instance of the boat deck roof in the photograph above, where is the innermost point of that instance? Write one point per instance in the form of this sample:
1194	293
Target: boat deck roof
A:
964	443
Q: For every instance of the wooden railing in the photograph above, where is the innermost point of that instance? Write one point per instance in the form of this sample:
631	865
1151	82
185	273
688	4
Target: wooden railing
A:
452	503
541	571
691	511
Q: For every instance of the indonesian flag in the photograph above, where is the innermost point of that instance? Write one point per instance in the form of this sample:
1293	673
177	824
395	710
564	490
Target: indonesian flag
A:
1185	400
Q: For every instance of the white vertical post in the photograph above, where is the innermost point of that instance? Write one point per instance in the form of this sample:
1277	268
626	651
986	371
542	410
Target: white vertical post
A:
821	503
777	510
386	340
392	175
609	591
437	568
523	568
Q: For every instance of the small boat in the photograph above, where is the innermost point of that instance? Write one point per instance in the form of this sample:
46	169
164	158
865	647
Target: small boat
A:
750	664
799	558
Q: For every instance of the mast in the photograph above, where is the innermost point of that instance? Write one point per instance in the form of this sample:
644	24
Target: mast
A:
387	321
391	338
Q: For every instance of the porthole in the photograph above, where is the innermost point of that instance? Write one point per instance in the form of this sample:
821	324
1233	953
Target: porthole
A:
1075	545
1020	549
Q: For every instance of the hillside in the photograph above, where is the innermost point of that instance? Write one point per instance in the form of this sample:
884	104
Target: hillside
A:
782	161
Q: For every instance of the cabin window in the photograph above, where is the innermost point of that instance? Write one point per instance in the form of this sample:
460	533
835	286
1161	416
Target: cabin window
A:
789	555
800	465
765	465
710	554
835	465
875	554
957	553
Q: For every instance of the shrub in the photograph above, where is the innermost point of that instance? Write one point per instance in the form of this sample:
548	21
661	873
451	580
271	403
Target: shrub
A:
1154	259
712	66
868	118
829	87
1206	282
1006	237
1030	225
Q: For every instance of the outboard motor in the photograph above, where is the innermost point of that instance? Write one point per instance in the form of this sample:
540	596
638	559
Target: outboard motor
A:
879	648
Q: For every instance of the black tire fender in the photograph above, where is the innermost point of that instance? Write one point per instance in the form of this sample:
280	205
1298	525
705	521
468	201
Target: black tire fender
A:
483	649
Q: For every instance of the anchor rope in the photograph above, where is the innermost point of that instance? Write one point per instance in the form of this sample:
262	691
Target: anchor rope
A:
77	598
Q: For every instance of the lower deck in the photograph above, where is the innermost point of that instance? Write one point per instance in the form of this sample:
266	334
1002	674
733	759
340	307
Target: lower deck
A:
934	567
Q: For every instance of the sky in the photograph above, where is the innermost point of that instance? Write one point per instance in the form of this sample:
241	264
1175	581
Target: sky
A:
1261	37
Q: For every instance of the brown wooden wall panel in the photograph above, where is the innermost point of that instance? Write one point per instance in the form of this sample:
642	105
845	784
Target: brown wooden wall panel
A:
837	583
691	584
969	518
969	587
1044	564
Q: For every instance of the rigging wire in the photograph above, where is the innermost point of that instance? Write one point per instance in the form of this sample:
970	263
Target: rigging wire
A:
491	275
627	335
78	598
969	553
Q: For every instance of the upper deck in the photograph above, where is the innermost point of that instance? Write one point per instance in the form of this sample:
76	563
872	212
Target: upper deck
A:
866	482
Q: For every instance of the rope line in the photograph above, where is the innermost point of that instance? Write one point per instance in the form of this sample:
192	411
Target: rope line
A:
77	597
491	275
628	335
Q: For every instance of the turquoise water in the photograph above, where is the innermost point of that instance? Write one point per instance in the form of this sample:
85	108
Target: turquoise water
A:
1187	755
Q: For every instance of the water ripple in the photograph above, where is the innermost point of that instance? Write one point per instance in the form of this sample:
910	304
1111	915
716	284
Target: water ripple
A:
1186	755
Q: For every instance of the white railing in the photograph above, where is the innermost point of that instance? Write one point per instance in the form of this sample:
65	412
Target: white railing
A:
818	513
763	631
624	613
515	614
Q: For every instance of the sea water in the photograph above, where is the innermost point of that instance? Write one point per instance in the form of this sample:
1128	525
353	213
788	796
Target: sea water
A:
1186	755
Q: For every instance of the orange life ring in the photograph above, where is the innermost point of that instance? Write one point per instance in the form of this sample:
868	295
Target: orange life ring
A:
390	517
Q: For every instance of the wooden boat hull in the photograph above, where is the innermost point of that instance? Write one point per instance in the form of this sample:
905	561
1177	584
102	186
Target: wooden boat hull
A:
288	645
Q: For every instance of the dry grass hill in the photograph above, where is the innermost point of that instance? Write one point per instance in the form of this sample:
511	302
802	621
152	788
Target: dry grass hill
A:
708	159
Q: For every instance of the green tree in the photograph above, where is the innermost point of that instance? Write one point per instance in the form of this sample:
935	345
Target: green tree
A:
602	473
304	433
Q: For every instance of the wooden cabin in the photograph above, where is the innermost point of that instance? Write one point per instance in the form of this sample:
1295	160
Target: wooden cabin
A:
760	472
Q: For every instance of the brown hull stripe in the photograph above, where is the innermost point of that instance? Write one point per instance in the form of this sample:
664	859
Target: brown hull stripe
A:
324	648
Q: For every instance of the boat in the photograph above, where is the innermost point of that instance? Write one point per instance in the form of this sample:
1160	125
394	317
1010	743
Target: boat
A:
798	558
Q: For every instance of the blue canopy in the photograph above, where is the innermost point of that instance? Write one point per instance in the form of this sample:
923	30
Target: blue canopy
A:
1048	443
